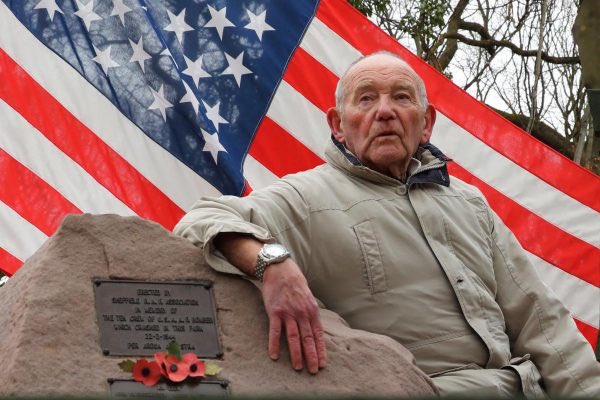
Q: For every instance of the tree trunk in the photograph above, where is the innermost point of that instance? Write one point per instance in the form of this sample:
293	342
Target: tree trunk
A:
583	135
538	66
590	146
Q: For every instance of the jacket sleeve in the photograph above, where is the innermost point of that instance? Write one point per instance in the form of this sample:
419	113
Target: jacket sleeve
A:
539	324
275	213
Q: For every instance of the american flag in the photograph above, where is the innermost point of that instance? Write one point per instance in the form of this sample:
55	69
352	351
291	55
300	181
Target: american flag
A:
140	107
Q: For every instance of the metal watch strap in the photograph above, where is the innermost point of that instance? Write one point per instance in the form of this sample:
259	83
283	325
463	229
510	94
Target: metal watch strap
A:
261	266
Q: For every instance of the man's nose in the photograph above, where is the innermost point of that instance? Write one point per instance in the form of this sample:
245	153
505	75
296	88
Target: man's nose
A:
384	109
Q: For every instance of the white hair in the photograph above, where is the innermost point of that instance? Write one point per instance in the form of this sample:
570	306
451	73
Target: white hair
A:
421	92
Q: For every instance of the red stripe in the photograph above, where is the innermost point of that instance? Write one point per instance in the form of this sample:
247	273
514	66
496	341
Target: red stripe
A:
247	189
70	135
589	332
538	236
279	151
467	112
9	264
312	79
31	197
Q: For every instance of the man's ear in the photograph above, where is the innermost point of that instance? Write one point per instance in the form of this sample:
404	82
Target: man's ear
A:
430	115
334	119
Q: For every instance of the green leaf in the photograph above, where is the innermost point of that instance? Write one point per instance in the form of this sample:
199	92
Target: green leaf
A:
212	369
174	349
127	365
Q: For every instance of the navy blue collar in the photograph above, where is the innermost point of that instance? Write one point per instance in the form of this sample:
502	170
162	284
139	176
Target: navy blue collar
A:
349	156
438	175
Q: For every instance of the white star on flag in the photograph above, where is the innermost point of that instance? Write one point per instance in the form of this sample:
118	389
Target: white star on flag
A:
236	68
195	70
103	58
258	23
50	6
178	25
212	113
212	144
139	54
119	8
190	97
218	20
160	103
86	13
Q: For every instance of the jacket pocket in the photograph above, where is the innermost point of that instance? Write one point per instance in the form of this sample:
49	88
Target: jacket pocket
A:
373	266
455	369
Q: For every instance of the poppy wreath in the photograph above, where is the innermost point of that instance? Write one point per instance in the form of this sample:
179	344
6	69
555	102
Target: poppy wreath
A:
172	365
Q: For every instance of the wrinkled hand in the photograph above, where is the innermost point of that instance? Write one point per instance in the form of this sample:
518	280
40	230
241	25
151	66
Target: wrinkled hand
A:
290	305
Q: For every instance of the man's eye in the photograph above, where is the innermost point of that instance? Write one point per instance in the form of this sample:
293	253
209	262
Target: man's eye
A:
402	96
365	98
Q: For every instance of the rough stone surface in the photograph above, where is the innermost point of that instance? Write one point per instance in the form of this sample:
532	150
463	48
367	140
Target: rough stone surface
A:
49	338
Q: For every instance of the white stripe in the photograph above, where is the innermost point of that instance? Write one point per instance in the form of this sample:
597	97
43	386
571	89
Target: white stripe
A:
32	149
300	118
257	175
328	48
517	183
504	175
18	236
87	104
581	298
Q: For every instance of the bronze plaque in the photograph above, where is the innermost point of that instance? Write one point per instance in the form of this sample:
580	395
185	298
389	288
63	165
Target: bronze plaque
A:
140	318
130	388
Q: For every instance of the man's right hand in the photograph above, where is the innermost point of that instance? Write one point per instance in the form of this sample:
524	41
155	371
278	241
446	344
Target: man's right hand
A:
288	301
291	306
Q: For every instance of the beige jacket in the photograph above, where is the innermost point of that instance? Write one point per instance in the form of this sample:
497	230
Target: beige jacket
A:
427	263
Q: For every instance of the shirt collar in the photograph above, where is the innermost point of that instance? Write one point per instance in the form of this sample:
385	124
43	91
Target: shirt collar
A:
413	164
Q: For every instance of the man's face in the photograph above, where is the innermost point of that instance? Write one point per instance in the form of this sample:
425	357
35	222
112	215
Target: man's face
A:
381	120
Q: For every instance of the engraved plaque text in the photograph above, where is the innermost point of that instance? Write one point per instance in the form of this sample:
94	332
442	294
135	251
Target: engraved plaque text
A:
139	318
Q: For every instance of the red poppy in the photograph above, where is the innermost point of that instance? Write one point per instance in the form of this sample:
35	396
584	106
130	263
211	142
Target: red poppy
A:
147	372
196	366
177	370
161	359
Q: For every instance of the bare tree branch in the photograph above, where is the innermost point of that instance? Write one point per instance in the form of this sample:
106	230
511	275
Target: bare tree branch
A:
443	60
491	43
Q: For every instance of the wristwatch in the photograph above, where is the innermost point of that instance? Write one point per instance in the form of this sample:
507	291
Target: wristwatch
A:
269	254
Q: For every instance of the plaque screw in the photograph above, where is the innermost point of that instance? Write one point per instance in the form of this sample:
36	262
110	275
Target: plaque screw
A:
105	352
219	355
224	384
98	283
208	285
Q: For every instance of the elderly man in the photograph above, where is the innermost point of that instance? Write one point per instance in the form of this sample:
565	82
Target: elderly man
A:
382	236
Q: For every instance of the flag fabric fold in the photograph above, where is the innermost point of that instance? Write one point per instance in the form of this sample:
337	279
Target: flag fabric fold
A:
140	107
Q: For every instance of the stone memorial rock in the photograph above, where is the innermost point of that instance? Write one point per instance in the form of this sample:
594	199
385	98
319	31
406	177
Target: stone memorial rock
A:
49	335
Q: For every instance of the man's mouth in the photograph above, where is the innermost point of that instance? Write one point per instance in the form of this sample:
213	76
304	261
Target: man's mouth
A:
386	134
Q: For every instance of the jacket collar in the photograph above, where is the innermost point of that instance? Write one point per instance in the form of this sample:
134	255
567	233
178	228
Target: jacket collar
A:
433	167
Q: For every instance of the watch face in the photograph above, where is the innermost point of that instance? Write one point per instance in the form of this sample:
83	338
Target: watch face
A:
274	250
